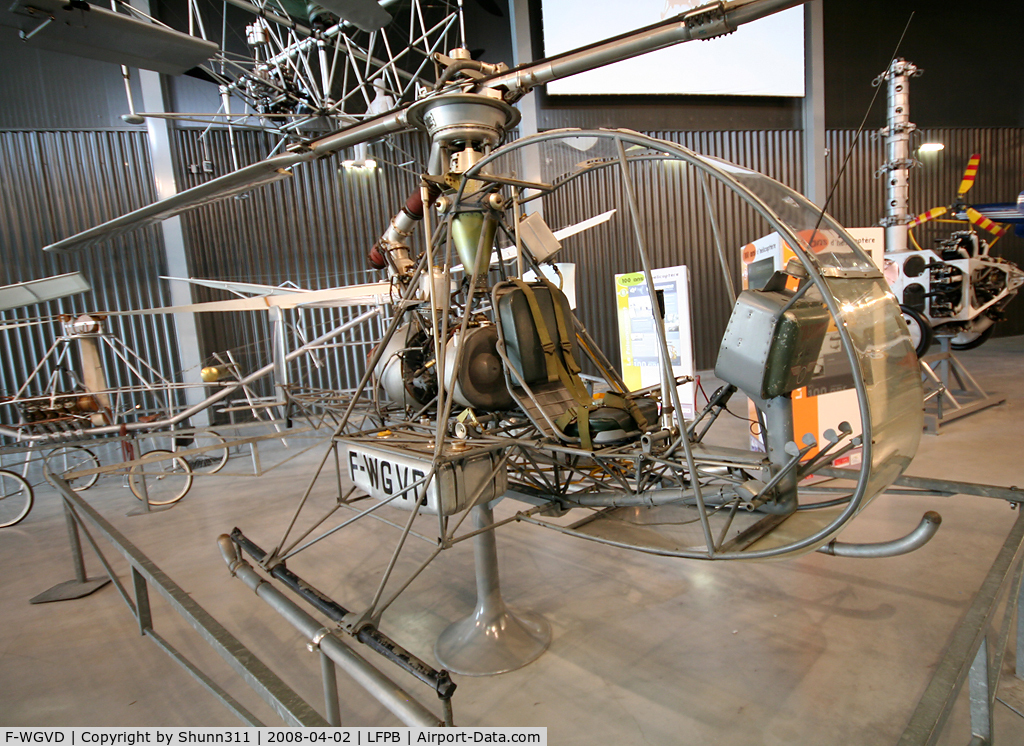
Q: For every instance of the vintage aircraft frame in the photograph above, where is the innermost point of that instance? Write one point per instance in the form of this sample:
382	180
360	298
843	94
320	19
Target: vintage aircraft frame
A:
832	278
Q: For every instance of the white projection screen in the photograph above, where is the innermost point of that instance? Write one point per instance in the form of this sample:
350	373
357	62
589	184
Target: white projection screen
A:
763	58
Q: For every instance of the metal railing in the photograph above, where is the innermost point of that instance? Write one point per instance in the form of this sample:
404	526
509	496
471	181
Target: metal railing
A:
145	574
976	652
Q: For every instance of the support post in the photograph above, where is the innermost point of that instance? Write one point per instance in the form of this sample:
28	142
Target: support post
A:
175	250
951	391
492	640
522	51
1019	668
142	610
329	675
80	585
981	701
815	187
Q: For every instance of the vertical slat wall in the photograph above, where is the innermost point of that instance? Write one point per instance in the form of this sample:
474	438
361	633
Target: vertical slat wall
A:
676	229
314	229
54	184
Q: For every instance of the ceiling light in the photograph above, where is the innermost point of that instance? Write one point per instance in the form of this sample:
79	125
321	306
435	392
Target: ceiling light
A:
930	147
367	164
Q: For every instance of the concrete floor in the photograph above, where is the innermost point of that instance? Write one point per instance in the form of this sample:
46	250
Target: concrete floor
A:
817	650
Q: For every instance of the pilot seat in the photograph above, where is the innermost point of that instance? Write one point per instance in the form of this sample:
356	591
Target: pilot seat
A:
537	341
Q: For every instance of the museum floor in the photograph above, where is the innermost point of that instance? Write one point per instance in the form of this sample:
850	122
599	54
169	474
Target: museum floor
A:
817	650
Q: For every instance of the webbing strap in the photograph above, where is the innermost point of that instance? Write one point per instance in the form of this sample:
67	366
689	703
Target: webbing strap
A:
546	343
563	332
557	366
581	416
621	402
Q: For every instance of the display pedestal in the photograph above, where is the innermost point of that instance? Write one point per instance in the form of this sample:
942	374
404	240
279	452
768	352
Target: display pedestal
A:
950	391
493	639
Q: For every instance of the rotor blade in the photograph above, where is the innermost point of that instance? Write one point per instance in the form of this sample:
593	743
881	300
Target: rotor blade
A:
238	288
583	225
236	182
969	173
37	291
374	293
924	217
101	34
264	172
706	22
997	212
996	229
363	14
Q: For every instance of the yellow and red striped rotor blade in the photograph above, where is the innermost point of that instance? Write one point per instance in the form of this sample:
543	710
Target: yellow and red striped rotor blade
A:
984	223
969	173
924	217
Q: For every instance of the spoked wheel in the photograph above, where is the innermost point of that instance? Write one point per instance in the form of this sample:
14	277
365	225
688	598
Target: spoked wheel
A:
67	459
921	335
208	462
15	498
166	481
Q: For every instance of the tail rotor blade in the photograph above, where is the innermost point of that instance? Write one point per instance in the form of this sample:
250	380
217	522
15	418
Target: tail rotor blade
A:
969	173
924	217
996	229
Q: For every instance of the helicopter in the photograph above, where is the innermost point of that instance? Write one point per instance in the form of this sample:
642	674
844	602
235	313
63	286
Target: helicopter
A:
966	288
484	385
958	289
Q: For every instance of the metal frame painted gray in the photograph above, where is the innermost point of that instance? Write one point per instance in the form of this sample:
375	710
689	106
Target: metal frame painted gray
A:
813	109
145	574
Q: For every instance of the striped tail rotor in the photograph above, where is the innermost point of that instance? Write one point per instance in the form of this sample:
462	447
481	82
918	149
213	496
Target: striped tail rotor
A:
969	173
924	217
996	229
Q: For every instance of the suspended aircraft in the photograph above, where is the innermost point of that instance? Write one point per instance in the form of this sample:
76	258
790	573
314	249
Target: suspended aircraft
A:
485	385
295	68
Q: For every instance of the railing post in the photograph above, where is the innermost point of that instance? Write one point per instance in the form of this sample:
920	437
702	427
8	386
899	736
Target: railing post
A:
142	611
978	689
331	708
1019	668
80	585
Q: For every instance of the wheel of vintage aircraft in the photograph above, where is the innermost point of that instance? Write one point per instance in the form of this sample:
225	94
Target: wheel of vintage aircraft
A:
160	482
921	334
66	459
15	498
207	462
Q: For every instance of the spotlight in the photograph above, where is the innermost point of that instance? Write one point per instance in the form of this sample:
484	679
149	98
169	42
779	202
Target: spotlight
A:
930	147
367	164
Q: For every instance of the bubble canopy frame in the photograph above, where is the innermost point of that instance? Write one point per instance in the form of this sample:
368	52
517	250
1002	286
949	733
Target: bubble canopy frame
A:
875	339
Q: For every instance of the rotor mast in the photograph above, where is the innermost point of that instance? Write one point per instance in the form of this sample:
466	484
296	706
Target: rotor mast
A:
897	133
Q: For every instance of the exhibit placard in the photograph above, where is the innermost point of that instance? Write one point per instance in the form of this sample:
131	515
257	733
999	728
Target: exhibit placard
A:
638	339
